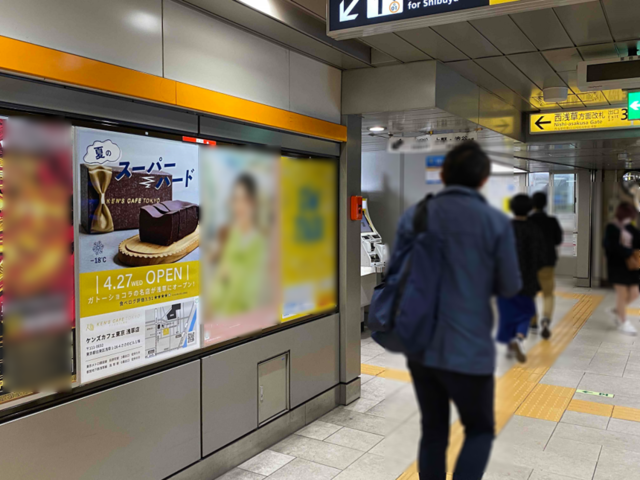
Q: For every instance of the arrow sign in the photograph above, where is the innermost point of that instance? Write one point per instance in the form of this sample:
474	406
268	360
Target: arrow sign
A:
346	15
635	105
539	123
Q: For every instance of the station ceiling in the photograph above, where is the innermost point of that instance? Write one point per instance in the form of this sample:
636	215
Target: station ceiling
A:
512	56
516	56
560	155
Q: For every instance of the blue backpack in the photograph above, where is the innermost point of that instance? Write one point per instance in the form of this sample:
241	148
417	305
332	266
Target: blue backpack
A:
404	308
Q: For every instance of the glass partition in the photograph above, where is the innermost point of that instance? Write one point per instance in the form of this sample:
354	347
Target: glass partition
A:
175	247
561	194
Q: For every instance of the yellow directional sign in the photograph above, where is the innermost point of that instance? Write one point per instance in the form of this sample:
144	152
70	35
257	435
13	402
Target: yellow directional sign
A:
581	120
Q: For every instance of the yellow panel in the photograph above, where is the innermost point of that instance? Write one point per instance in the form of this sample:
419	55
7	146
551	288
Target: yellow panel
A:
626	413
309	223
581	120
227	106
498	2
49	64
117	290
593	408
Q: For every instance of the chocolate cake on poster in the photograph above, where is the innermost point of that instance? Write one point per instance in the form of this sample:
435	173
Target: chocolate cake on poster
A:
138	195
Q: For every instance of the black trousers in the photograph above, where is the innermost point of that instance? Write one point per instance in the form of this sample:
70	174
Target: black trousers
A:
474	398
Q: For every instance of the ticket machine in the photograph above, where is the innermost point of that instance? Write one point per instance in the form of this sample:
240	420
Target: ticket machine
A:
374	253
373	259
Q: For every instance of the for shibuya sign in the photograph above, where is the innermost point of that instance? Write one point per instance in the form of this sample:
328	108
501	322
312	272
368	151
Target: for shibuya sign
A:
352	14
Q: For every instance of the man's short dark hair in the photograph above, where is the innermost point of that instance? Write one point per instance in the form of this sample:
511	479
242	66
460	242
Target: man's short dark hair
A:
466	165
521	205
539	200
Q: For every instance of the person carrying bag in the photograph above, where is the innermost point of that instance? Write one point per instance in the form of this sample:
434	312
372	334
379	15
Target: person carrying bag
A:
452	253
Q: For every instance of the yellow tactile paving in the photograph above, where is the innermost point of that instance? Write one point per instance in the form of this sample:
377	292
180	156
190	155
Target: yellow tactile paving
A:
593	408
371	370
625	413
392	374
546	402
519	389
568	295
633	311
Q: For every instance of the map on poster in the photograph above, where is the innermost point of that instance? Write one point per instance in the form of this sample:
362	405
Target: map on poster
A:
138	250
116	342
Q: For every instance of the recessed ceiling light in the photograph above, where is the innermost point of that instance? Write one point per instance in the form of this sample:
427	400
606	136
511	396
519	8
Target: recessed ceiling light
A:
376	129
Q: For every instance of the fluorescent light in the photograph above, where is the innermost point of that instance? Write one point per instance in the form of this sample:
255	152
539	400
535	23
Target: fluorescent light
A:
498	168
376	129
263	6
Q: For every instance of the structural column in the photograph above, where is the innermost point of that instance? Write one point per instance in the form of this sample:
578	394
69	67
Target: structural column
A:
349	261
584	192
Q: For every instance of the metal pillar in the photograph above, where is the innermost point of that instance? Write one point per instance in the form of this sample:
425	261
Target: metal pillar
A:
349	261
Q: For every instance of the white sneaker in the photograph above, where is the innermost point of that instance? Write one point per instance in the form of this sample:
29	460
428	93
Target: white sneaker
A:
627	328
615	317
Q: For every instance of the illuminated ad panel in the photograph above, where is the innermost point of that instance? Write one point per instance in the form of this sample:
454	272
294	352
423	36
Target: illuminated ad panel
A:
138	250
38	320
309	236
240	246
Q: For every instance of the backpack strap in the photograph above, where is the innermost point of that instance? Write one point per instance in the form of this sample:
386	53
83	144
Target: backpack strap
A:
420	217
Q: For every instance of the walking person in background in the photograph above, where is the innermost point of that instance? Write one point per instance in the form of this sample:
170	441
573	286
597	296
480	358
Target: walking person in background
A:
620	240
552	236
517	312
478	261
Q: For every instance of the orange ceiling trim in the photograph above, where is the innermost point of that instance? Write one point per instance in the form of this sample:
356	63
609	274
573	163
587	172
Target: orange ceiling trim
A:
197	98
53	65
48	64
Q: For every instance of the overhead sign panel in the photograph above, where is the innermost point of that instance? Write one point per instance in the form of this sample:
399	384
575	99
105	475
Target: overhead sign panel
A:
634	105
581	120
352	14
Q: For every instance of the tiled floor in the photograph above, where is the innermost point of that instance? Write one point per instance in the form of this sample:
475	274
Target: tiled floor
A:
548	429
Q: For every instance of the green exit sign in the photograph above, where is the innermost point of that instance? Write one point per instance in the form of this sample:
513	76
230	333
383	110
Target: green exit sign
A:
634	105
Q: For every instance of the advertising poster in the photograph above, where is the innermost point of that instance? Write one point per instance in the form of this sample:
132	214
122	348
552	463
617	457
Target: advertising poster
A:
138	250
37	235
309	232
240	245
434	169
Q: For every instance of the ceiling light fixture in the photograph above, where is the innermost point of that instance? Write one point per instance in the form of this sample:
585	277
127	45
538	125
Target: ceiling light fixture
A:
263	6
376	129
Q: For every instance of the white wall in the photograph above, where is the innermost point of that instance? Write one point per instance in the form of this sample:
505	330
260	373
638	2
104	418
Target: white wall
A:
392	183
206	52
122	32
168	39
381	185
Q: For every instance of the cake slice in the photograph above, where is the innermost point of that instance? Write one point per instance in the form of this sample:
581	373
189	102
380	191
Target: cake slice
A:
167	222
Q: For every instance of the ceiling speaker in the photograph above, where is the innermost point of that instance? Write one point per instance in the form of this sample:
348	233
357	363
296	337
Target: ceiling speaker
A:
556	94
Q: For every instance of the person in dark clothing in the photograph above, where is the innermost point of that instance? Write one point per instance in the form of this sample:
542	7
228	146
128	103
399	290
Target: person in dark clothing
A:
479	261
620	240
552	234
516	312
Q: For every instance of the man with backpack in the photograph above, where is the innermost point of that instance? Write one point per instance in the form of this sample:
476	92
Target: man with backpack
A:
472	253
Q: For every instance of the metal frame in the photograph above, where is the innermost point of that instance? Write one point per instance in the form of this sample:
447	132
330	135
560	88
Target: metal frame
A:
236	132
